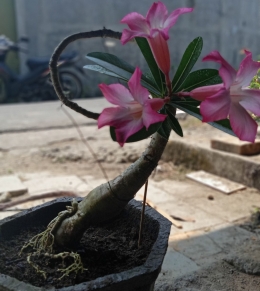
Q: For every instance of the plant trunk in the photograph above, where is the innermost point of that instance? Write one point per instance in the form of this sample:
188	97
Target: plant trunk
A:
109	199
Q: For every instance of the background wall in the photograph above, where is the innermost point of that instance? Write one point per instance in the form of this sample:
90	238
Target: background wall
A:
8	27
225	25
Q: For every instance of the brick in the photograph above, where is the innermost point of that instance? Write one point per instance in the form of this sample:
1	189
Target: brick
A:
235	146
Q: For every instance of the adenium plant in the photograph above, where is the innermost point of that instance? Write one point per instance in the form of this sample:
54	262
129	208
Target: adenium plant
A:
147	108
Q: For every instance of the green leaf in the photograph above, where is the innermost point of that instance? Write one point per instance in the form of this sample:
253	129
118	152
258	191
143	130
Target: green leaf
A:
102	70
120	68
173	121
148	55
223	125
185	101
188	60
204	77
165	129
140	135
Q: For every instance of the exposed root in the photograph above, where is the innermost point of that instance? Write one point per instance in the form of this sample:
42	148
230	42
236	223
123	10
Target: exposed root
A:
36	267
75	267
42	244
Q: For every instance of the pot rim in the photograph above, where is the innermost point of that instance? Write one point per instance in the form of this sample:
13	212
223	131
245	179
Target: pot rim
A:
151	267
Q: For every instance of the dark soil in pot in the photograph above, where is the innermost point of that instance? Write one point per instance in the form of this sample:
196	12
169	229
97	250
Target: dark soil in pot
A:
105	249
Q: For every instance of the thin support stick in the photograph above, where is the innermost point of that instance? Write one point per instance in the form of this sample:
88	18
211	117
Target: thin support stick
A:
142	215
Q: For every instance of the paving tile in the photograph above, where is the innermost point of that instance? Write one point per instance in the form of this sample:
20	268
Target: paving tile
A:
227	236
45	184
182	190
154	193
229	208
187	211
194	245
176	264
12	184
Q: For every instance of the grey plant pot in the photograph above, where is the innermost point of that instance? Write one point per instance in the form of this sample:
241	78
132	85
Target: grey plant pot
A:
141	278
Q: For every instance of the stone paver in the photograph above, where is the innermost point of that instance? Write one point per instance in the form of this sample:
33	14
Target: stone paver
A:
12	184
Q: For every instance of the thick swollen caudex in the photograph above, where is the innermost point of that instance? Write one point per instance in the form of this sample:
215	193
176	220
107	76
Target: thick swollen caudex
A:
109	199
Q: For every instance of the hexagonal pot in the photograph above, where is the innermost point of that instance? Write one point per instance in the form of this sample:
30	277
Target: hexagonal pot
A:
141	278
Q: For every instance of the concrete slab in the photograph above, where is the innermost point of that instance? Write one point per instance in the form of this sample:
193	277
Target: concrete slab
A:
73	183
194	245
12	184
234	145
181	190
196	154
227	236
154	193
174	265
229	207
221	184
182	210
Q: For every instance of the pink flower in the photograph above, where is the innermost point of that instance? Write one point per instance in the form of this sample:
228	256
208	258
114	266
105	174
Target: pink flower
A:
231	98
134	111
155	27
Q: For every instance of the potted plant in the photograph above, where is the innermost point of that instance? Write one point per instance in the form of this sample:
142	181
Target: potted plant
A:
146	109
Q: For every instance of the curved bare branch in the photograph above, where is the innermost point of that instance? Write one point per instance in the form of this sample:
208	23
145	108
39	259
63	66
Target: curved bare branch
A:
54	69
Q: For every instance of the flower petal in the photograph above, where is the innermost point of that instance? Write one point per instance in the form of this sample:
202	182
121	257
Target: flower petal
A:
160	49
251	100
226	71
201	93
216	107
114	116
150	116
157	15
116	94
247	70
123	133
156	103
127	35
139	93
173	17
242	123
